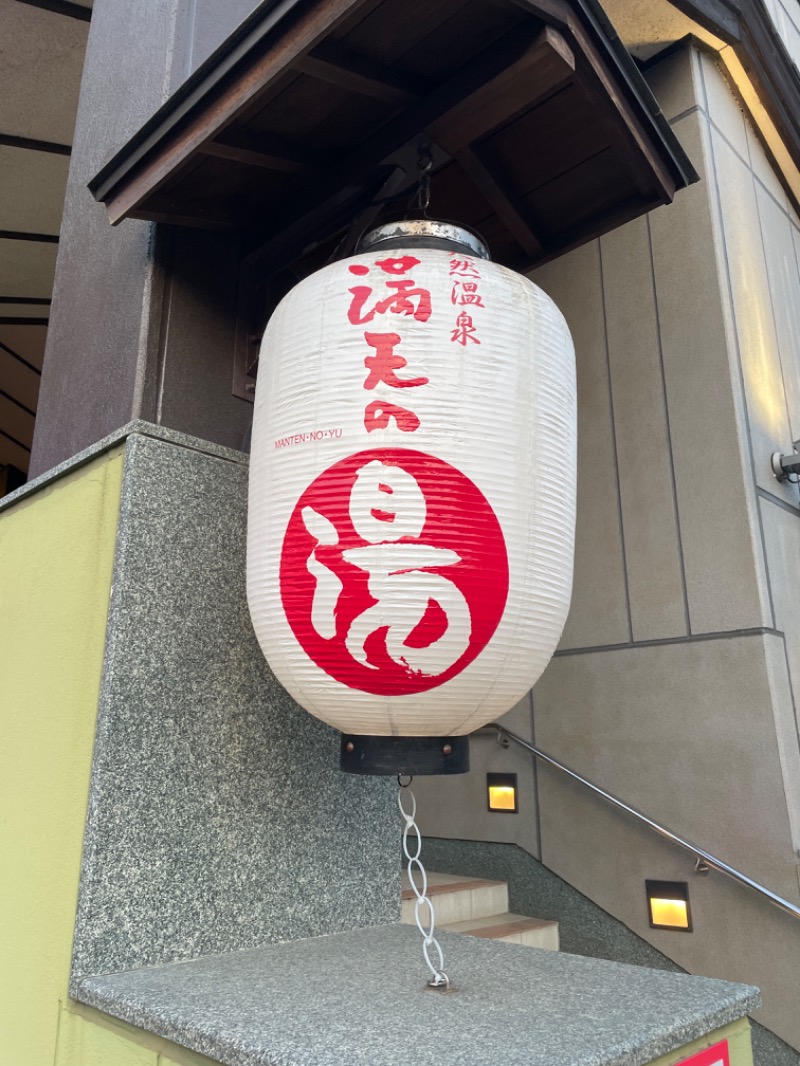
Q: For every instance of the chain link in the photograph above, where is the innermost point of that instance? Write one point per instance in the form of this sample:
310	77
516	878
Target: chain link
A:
418	879
425	166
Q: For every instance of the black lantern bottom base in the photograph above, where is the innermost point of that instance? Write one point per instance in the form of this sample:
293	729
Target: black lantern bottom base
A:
404	755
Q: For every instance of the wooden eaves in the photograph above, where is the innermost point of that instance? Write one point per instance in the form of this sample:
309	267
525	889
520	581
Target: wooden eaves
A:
309	119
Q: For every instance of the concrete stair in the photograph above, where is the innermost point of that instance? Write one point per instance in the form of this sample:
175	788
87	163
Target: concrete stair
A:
479	908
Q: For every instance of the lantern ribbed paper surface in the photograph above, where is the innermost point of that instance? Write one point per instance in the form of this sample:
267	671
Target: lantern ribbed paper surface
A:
412	491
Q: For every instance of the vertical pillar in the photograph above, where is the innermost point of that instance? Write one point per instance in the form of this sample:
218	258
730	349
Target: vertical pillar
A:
143	316
95	375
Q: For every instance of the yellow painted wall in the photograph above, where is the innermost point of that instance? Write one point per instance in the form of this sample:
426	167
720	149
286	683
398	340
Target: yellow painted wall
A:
89	1038
56	559
739	1046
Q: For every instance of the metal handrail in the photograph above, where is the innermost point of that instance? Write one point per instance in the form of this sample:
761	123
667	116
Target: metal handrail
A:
700	853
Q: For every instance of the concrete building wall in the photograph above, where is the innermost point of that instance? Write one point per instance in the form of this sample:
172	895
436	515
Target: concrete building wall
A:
786	16
161	301
674	683
203	26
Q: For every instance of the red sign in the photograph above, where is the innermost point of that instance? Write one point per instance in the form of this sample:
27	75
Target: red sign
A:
394	572
712	1056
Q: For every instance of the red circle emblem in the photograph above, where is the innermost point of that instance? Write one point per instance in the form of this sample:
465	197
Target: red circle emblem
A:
394	571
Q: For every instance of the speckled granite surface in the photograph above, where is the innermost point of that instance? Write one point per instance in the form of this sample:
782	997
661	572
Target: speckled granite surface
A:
359	999
218	819
146	429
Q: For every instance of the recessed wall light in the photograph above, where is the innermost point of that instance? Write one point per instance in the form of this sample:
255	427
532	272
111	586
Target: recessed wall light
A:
668	905
501	793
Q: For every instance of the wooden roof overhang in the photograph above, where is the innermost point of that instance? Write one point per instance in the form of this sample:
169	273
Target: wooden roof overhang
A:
306	124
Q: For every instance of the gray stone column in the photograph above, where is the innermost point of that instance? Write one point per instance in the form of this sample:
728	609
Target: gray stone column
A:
132	334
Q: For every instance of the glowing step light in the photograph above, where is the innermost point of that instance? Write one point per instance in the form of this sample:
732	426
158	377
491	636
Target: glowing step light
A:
501	793
668	905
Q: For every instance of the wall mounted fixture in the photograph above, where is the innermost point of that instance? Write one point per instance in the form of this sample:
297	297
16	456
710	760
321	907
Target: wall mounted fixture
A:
668	905
788	463
501	793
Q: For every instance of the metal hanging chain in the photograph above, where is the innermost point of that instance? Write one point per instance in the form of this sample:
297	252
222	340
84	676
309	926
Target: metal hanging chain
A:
416	870
425	165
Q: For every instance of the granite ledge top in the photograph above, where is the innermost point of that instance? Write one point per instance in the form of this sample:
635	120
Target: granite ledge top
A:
359	998
144	429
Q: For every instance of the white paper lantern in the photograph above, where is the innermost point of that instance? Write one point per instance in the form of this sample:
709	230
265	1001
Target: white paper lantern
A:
412	490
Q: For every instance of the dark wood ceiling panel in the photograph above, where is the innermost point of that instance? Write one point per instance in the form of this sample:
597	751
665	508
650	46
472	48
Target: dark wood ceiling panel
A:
470	99
452	194
474	26
221	180
586	191
393	29
263	151
247	116
516	149
305	104
350	123
336	63
348	22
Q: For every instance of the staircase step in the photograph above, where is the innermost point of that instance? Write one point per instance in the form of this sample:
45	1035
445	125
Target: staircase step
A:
512	928
457	899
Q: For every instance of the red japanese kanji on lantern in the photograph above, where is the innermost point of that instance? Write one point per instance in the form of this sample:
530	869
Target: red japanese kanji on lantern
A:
412	491
381	587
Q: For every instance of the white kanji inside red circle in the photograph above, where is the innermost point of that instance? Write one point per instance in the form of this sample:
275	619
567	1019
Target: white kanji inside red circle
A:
394	573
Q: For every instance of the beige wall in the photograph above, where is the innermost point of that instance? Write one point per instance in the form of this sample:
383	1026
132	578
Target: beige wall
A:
674	683
786	16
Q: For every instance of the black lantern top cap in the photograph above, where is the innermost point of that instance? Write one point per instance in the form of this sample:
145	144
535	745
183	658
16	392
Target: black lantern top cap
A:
424	233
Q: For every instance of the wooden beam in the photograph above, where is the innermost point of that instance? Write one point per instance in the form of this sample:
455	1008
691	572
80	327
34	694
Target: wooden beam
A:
234	95
9	140
62	7
542	68
341	66
21	300
37	238
504	204
198	214
270	153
